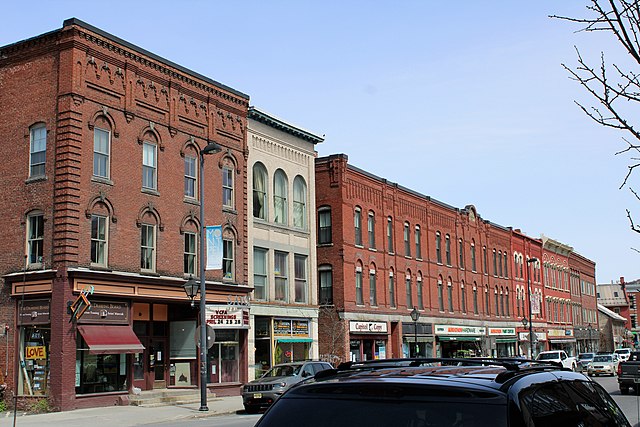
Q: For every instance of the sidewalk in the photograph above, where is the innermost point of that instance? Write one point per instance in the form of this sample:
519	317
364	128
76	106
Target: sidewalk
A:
122	416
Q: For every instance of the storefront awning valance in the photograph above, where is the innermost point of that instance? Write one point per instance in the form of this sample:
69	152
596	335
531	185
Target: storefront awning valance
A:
295	339
506	340
568	340
458	338
103	339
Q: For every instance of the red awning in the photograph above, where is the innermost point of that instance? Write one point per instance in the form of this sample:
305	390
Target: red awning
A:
103	339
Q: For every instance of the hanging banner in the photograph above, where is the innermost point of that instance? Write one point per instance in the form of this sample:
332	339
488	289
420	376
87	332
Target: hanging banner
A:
536	302
214	247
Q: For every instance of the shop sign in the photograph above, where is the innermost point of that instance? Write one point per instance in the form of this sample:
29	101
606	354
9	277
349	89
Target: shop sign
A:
540	336
502	331
35	352
225	317
560	333
291	328
459	330
300	327
368	327
33	312
106	312
281	326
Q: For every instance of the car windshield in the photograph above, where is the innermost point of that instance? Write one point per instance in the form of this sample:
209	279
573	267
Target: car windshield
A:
623	351
607	358
349	411
548	356
583	356
283	371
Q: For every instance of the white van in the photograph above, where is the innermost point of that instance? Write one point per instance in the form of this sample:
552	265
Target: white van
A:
623	353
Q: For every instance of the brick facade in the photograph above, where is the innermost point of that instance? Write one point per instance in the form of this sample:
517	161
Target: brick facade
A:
474	294
78	79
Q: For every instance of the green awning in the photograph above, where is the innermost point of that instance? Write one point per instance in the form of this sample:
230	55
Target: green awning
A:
294	339
506	340
459	338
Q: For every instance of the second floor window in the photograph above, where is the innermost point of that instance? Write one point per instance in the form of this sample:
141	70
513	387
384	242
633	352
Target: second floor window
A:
148	247
260	274
149	166
228	268
324	226
418	243
438	248
190	176
280	269
440	296
408	291
300	271
359	295
461	253
37	151
98	240
373	291
392	290
325	276
419	293
35	238
227	187
101	152
190	257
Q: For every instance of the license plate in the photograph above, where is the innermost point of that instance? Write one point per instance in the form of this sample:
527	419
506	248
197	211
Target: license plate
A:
257	395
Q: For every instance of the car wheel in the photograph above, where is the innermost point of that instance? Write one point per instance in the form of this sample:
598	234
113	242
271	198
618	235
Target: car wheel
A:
251	409
624	390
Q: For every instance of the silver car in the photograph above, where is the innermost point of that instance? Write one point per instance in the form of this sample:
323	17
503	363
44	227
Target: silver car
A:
603	364
583	361
262	392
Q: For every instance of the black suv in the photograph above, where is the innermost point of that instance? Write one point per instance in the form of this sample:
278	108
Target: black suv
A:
446	393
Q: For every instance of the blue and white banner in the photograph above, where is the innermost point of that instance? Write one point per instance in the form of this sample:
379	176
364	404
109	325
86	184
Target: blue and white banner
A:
214	247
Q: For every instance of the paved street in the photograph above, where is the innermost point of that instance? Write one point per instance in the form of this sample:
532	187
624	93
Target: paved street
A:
224	412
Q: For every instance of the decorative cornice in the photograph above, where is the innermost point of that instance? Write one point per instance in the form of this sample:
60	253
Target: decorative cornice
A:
281	125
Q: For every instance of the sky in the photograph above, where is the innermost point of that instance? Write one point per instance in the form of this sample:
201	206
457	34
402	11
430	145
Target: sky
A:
466	101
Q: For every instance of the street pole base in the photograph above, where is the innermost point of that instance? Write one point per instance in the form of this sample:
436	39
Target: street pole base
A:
203	408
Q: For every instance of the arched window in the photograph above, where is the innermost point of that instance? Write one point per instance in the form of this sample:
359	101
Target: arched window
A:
438	248
463	298
473	256
359	293
299	202
408	289
440	295
280	189
475	298
450	295
357	225
447	249
259	191
373	287
392	289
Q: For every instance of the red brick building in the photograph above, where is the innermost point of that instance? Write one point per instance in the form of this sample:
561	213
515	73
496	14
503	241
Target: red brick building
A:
387	253
101	143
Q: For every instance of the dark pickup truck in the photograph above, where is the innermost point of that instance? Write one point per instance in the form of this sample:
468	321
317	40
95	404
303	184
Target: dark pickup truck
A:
629	373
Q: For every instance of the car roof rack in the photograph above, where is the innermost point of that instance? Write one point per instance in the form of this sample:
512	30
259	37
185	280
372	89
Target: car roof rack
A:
513	366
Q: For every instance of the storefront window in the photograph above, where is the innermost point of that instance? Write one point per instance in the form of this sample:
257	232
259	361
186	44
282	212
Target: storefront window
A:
34	356
223	357
99	373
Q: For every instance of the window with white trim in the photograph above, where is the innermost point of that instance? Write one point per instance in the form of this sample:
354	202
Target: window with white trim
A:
37	150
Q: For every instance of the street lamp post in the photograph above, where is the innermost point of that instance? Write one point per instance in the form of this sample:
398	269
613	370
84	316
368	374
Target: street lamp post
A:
415	315
211	148
531	351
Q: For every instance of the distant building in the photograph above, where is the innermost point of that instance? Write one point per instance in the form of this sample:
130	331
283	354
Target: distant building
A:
612	329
